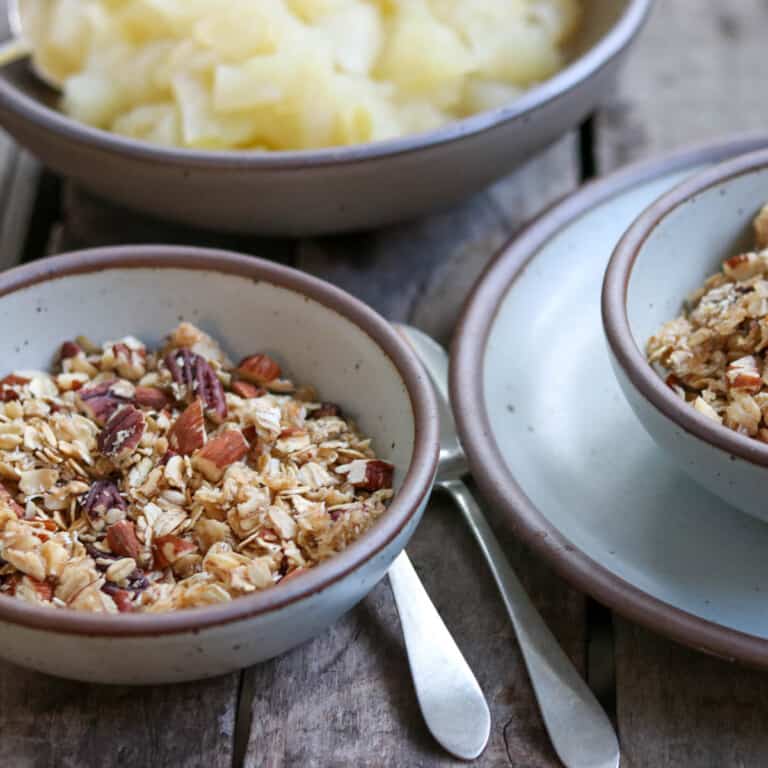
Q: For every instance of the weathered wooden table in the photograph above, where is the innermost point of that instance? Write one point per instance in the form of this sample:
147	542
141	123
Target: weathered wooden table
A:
346	699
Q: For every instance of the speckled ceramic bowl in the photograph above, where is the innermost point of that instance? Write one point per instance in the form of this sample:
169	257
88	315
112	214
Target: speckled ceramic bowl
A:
667	253
322	336
303	193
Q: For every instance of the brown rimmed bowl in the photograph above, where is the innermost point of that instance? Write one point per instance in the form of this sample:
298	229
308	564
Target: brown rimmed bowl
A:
333	190
557	451
322	336
669	251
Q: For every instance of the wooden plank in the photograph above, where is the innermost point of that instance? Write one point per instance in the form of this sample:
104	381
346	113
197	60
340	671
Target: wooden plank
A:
19	176
89	222
681	708
695	74
51	722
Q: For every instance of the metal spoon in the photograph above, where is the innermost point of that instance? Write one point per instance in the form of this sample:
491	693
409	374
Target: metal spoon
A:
20	45
580	731
450	698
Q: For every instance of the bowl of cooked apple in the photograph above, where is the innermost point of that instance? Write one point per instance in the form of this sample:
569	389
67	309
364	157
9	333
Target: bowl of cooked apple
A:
301	117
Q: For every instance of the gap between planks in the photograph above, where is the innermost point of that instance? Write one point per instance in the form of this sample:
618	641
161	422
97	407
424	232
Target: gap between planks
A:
600	641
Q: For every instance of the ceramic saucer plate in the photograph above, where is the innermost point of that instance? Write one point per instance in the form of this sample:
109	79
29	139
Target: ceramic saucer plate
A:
553	443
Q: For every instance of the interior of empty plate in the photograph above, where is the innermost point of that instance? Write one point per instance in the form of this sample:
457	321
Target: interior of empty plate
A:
552	441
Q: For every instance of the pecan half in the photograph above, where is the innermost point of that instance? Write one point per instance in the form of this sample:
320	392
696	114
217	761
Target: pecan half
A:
168	549
10	387
100	401
151	397
247	390
121	537
122	433
224	449
193	377
188	431
258	369
325	411
102	496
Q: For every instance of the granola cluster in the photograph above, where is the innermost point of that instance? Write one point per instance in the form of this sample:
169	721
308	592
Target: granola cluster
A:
716	352
133	480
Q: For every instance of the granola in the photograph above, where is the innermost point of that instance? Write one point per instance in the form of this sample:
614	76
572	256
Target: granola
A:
714	354
133	480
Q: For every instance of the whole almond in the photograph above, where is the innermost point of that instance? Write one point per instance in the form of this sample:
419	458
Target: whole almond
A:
188	432
122	540
258	369
151	397
219	453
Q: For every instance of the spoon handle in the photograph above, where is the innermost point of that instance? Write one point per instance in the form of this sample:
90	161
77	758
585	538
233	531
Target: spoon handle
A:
580	731
450	698
13	50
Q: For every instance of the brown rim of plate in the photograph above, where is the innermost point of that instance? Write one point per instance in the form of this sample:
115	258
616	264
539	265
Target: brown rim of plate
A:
486	460
616	321
415	488
606	50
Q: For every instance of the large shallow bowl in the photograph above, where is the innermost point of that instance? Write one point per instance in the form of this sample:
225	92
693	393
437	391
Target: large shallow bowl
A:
301	193
667	253
322	336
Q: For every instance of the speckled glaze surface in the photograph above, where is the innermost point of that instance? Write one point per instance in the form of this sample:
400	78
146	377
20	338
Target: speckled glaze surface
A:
322	336
303	193
666	254
554	444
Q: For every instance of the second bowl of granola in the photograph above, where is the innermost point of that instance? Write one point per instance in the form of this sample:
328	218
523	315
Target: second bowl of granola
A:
685	311
205	459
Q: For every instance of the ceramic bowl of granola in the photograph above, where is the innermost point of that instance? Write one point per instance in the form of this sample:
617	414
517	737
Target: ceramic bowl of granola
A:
685	311
205	459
